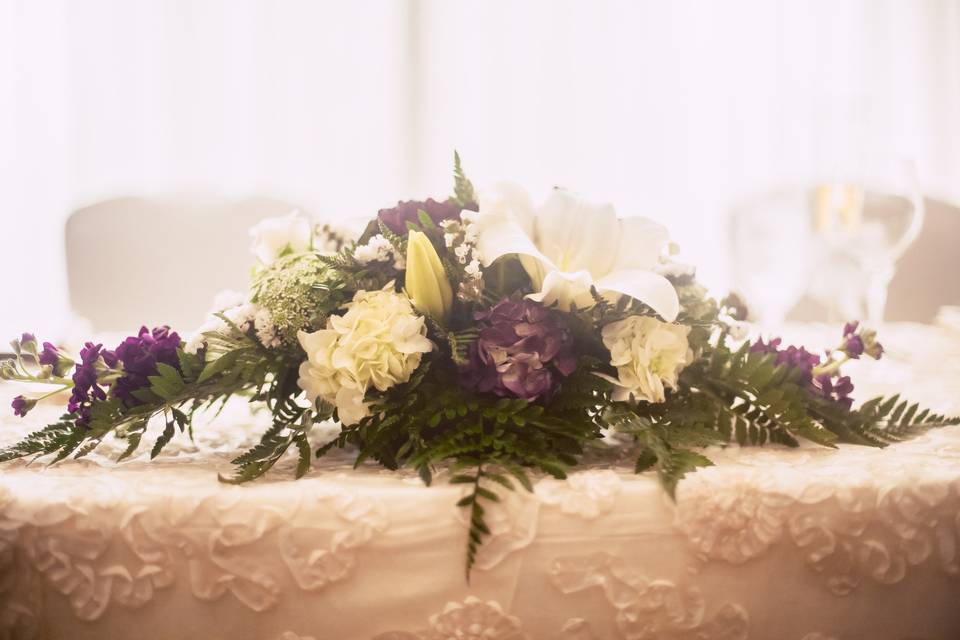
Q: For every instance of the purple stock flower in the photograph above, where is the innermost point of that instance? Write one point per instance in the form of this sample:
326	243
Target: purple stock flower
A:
853	346
838	391
27	337
397	218
86	387
139	356
524	350
51	356
22	405
797	357
852	342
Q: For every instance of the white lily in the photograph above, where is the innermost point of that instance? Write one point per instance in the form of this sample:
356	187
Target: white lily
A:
569	244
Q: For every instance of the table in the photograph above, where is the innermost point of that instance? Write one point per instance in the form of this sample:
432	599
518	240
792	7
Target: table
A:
806	544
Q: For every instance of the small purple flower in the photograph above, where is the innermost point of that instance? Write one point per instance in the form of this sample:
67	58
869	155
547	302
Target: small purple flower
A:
21	405
839	391
853	347
858	341
54	358
27	337
397	217
524	350
138	356
796	357
86	387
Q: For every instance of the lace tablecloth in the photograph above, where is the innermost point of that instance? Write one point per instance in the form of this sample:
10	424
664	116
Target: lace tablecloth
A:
808	544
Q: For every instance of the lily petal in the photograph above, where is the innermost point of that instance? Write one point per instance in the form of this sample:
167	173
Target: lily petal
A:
577	234
566	290
650	288
500	238
508	201
641	242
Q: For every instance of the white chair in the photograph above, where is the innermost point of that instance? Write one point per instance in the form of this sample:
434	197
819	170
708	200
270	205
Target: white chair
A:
134	261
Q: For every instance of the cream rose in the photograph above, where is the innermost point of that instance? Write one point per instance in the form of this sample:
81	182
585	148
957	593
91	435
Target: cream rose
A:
273	236
378	342
648	354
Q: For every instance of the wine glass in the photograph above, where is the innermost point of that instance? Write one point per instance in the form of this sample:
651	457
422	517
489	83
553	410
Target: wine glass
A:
828	251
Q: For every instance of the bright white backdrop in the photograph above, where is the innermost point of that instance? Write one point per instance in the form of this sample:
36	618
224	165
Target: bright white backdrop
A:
672	110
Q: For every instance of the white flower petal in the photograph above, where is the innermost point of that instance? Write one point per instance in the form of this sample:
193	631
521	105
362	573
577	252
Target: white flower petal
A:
566	290
576	234
274	235
641	243
499	238
507	201
650	288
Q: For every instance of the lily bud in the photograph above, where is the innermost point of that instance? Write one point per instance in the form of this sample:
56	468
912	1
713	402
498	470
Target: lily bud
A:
426	283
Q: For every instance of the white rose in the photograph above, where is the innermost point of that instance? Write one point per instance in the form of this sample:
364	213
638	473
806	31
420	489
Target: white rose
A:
273	236
379	341
648	354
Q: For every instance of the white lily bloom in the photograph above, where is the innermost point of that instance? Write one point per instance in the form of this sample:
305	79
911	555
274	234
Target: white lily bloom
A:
569	244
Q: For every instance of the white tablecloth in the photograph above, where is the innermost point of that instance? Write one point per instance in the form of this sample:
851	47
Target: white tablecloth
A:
771	543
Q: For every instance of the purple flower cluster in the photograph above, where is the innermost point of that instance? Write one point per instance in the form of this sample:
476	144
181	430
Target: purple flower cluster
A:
86	381
136	358
397	217
799	358
524	350
138	355
839	391
796	357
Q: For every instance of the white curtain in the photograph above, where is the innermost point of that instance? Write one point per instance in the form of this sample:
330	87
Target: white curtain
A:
669	109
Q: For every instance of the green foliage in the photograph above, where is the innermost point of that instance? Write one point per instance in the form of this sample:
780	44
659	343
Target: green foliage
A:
463	191
60	436
879	421
347	275
480	476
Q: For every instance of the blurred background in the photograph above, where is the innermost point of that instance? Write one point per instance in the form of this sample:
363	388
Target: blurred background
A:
805	153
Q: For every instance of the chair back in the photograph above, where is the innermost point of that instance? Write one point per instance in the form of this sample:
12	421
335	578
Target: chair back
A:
137	261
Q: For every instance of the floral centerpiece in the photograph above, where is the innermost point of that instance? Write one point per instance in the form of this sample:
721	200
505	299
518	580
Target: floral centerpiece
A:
482	334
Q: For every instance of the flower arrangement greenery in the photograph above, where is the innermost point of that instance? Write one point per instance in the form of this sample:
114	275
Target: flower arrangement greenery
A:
480	333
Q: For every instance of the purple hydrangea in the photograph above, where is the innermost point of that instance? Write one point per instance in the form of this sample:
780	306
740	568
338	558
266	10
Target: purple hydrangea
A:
86	383
397	217
524	350
139	355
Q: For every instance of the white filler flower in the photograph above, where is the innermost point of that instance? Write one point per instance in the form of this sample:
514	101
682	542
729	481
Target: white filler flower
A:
648	354
568	245
273	236
379	341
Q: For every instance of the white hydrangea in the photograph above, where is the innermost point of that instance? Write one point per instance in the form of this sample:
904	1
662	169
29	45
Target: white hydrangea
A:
378	342
648	354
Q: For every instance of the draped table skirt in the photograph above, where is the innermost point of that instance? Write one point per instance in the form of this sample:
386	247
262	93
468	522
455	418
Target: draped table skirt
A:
771	543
